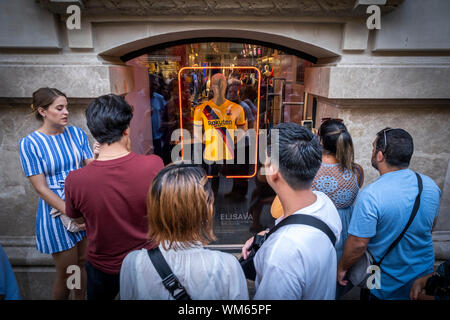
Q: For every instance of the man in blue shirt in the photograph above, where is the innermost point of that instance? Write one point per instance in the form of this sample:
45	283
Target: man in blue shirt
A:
382	211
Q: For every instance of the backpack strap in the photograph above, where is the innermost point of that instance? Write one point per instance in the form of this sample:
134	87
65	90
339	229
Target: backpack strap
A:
411	218
306	220
169	280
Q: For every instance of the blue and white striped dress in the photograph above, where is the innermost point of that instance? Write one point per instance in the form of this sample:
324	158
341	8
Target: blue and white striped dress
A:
55	158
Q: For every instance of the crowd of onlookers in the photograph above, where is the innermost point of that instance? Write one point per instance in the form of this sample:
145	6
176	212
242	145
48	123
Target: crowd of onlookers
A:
138	228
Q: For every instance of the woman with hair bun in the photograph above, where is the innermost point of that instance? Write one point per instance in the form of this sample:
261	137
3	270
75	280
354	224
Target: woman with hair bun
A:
47	155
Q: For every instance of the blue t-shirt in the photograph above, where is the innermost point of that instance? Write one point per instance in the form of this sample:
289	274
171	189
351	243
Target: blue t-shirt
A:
157	104
381	212
8	283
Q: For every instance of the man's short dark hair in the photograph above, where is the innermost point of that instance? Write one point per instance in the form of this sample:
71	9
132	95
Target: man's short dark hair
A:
108	117
398	147
300	155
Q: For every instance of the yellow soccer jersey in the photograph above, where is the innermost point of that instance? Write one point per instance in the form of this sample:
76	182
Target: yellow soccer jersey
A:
219	123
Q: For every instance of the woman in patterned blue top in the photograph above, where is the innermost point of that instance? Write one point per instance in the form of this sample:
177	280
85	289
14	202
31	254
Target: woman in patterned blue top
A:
338	177
47	156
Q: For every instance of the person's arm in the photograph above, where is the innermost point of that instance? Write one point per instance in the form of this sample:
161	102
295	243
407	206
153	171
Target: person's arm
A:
40	185
248	244
417	291
71	210
247	248
128	273
96	153
363	227
353	250
86	152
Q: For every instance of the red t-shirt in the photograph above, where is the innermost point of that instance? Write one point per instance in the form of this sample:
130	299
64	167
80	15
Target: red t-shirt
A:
111	196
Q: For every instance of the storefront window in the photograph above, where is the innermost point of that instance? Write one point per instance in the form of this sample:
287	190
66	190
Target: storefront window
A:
228	92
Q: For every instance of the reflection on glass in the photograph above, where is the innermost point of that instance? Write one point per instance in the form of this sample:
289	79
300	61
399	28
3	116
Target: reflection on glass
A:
222	130
257	87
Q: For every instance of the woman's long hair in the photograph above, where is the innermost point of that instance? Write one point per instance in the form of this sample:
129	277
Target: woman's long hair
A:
180	207
337	141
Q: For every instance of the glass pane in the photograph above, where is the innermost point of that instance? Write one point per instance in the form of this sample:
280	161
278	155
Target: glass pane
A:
178	89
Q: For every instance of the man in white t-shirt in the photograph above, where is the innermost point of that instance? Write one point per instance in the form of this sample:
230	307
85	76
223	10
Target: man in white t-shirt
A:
297	261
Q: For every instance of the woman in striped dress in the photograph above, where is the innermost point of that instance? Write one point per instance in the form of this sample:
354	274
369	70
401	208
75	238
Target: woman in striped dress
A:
47	156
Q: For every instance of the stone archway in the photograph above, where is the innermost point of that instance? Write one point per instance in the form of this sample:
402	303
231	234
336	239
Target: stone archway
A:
129	79
296	42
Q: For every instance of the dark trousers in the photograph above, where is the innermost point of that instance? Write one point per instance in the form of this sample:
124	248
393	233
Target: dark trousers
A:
100	285
365	295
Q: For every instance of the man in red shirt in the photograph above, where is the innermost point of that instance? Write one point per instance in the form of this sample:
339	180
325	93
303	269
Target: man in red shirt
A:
109	196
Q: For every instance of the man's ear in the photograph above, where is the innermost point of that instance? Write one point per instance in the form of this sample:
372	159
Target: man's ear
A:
276	176
273	172
380	156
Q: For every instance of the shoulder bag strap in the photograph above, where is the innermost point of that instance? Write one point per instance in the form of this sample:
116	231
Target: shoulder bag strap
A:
411	218
169	280
75	151
306	220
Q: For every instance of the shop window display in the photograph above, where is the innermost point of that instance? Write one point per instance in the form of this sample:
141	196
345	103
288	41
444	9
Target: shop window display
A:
220	94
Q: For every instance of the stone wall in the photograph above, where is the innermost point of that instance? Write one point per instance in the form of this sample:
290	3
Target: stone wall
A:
427	125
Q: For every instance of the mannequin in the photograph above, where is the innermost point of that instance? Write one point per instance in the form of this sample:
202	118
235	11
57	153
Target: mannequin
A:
218	119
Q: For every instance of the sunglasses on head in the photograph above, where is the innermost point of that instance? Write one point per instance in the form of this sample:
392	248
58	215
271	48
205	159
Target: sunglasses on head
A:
385	138
328	119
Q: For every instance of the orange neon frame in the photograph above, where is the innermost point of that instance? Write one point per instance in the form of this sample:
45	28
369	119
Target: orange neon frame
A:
257	113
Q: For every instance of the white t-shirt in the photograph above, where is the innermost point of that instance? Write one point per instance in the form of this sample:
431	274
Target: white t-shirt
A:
299	261
205	274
